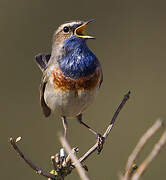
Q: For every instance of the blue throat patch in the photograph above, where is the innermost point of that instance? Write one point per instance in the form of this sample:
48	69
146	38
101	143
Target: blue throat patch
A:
78	61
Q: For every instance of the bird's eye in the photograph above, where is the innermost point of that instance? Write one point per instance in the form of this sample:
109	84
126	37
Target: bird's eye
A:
66	29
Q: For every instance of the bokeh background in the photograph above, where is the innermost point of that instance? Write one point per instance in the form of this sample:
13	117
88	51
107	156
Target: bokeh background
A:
131	45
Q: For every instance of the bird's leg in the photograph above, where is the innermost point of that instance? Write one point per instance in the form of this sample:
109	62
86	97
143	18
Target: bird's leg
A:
62	153
79	117
100	138
64	121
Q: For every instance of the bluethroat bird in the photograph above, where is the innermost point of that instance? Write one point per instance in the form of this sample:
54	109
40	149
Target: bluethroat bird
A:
72	74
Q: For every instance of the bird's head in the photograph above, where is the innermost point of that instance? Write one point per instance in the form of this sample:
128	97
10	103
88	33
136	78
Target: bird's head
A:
73	29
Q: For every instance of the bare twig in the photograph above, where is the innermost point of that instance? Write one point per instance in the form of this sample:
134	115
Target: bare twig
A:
29	162
78	166
155	151
126	97
134	172
73	151
83	158
141	143
109	128
54	162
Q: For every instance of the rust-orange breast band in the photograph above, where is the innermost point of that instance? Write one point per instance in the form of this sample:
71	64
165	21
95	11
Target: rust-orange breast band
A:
83	83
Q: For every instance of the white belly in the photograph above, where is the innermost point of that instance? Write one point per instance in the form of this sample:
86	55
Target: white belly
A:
68	103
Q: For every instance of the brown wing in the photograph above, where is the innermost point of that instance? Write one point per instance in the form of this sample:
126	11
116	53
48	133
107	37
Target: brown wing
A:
45	108
101	78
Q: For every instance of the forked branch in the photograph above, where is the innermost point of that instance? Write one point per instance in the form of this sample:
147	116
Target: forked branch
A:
74	159
69	167
132	171
155	151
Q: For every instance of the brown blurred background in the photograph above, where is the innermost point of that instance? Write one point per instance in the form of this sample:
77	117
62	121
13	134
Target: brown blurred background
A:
131	45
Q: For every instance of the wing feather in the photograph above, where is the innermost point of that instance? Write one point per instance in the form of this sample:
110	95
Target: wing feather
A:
45	108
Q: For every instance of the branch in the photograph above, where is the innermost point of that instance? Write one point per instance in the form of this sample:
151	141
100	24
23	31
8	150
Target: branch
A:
65	170
78	165
109	128
28	161
155	151
141	143
132	171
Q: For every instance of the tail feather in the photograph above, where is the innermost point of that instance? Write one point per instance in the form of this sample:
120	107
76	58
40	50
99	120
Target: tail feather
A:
42	60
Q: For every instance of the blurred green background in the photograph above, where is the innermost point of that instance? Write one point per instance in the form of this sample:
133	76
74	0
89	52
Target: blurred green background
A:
131	46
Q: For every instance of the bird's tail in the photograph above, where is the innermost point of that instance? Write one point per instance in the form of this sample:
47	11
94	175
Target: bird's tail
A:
42	60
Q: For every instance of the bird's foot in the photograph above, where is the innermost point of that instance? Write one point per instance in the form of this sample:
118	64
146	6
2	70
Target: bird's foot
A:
100	140
62	164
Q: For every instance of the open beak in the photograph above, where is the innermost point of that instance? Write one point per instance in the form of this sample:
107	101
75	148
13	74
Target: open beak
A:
80	31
